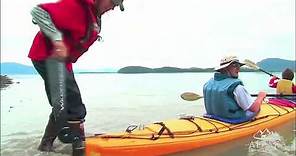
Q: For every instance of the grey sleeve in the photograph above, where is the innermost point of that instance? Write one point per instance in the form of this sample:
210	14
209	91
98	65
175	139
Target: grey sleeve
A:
43	20
242	97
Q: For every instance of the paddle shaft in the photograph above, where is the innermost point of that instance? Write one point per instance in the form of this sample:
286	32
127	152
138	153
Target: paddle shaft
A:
189	96
276	95
266	72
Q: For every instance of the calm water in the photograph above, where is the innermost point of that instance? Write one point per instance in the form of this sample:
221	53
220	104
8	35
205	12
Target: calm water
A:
115	101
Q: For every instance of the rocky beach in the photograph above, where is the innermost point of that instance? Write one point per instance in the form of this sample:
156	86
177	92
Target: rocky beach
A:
5	81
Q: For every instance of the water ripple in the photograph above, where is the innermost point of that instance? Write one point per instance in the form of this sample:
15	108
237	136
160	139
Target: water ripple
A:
268	143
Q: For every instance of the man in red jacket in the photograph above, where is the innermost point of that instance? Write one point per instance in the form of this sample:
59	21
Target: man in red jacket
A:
67	29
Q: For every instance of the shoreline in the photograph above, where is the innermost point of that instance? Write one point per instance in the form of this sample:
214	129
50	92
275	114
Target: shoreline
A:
5	81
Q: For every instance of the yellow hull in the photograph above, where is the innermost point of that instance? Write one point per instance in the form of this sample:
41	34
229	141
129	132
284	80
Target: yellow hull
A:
183	134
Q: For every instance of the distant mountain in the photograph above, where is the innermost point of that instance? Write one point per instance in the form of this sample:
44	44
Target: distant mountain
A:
276	64
16	68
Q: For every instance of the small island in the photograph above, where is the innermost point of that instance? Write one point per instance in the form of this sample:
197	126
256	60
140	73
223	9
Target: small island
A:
140	69
269	64
5	81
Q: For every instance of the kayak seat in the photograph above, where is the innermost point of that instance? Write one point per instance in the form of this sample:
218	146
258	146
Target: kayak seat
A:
231	121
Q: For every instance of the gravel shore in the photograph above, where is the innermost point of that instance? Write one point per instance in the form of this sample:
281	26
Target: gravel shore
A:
5	81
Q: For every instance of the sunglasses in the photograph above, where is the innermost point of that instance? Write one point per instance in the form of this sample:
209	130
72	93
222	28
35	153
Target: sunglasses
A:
236	65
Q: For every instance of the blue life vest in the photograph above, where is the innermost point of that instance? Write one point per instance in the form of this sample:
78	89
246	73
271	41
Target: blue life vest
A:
219	98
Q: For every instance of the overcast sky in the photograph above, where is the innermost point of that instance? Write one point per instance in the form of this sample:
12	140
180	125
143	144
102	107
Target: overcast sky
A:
181	33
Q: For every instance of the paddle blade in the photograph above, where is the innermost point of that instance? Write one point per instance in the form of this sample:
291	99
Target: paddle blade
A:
251	64
189	96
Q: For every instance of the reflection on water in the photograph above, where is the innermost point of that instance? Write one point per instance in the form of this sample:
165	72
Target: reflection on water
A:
113	102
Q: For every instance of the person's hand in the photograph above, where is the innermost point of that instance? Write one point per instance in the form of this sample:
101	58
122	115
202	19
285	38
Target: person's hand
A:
262	94
59	50
275	77
257	103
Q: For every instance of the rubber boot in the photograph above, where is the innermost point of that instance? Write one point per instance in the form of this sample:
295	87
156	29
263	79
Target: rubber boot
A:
78	144
49	136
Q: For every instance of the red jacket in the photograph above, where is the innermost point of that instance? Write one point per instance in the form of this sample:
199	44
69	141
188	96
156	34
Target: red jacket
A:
73	18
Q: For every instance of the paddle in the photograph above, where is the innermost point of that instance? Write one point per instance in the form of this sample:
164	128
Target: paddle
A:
254	66
189	96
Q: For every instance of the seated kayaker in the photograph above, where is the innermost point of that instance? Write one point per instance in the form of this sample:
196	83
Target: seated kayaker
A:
225	95
285	85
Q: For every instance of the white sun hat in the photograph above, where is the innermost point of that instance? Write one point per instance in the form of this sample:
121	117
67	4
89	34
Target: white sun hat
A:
226	61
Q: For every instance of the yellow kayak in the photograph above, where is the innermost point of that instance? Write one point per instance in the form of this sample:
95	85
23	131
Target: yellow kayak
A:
183	134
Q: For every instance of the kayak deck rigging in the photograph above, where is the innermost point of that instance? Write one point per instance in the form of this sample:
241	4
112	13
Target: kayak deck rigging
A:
185	133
